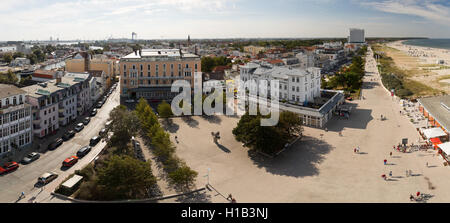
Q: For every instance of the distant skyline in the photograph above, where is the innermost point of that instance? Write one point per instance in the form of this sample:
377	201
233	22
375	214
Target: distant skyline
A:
175	19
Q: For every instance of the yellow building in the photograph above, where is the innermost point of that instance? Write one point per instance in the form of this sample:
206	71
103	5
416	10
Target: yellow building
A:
150	73
83	62
254	50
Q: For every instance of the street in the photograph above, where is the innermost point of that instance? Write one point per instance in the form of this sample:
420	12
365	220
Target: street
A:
25	178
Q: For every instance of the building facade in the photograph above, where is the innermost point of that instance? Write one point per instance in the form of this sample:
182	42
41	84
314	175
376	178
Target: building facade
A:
356	36
15	119
149	73
296	85
57	102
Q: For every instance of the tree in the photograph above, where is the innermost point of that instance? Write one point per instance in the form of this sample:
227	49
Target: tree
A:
124	177
18	54
125	124
290	123
8	78
268	139
183	177
164	110
7	57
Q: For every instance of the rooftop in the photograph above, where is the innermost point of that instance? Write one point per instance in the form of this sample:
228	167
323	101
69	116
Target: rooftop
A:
38	90
439	108
167	53
7	90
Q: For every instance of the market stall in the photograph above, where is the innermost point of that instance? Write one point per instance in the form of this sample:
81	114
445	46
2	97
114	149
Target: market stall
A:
444	150
433	133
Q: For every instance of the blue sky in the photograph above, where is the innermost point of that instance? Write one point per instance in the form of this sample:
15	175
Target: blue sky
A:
156	19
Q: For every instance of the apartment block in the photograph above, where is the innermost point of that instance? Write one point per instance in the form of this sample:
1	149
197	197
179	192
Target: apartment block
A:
15	119
149	73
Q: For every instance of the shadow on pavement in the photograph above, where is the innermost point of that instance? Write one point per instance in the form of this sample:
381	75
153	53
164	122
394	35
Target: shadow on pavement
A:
170	126
299	160
190	121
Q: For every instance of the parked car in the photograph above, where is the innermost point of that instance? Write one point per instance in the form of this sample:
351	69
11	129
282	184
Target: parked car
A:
94	140
55	144
47	177
103	132
94	112
99	105
70	161
30	158
79	127
108	123
8	167
68	135
83	151
86	120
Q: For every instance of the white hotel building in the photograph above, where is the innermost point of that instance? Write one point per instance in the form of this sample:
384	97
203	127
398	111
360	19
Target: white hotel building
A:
15	119
296	85
299	91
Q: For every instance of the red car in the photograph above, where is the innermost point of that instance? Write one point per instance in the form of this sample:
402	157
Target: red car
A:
70	161
8	167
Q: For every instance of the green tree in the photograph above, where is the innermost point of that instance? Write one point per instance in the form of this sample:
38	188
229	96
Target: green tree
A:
124	177
18	54
8	78
183	177
7	57
125	124
164	110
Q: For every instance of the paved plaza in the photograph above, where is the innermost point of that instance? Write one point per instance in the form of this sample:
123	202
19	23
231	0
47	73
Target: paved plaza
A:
322	167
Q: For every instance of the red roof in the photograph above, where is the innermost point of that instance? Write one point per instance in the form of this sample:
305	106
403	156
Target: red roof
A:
275	61
220	68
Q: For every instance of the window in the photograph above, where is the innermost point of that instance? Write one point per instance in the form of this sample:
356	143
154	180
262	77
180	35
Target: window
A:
187	65
14	100
293	88
134	67
195	67
298	89
142	67
148	67
293	79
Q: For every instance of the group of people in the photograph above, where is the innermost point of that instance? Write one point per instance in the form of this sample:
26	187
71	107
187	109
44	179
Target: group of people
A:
356	150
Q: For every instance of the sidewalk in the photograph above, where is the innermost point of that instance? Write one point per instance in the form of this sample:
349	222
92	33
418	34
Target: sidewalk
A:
40	145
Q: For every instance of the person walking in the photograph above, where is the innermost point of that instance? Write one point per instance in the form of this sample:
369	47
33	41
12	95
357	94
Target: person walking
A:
390	154
411	197
390	173
385	161
407	173
427	164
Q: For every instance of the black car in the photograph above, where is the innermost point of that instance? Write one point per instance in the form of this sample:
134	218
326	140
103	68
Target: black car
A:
57	142
86	120
94	140
99	105
93	112
68	135
83	151
30	157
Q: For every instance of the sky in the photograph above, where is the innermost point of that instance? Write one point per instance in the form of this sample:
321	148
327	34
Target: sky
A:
176	19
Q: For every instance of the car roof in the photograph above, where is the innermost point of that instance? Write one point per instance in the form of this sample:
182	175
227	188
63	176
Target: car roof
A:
47	174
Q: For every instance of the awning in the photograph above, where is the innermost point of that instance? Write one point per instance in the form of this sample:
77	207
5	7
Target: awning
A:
445	147
433	133
435	141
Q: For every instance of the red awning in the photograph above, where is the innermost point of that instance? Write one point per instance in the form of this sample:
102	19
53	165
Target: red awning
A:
435	141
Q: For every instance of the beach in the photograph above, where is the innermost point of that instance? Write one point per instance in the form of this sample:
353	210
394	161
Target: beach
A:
430	66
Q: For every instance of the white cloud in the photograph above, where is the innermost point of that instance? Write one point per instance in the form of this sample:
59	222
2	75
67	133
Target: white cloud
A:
430	10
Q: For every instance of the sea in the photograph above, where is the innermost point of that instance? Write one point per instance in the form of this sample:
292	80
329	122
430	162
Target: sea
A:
433	43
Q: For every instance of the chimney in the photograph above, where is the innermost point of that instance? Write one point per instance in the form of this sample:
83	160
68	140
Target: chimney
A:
140	52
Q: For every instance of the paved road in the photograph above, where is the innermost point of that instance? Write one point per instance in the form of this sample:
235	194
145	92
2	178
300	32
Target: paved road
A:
25	178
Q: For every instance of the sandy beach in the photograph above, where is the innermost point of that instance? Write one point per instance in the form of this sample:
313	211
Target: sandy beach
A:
322	167
430	66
